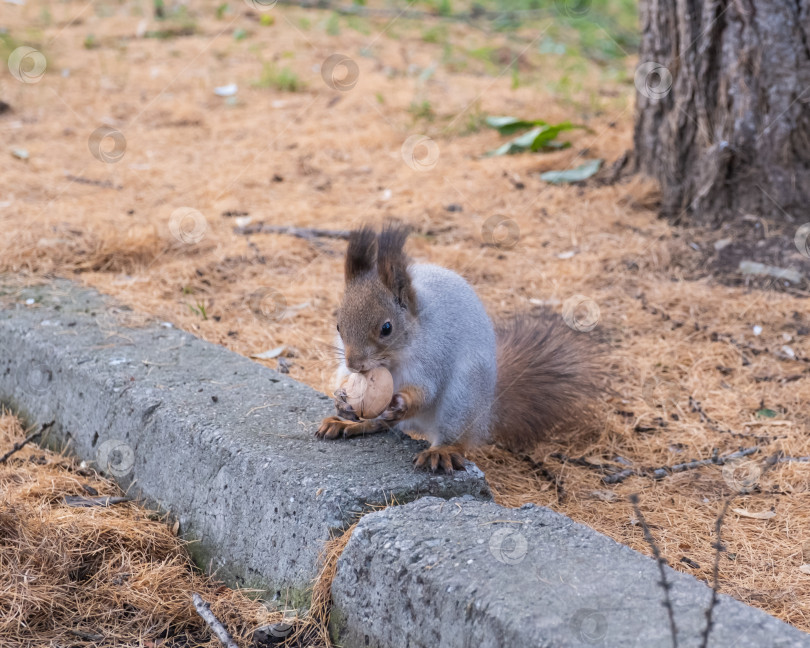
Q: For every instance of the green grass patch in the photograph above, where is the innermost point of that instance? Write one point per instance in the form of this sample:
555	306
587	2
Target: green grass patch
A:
435	34
422	110
7	45
283	78
333	25
177	21
358	24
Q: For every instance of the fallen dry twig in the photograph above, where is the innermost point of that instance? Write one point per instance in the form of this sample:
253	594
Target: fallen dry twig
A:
87	636
619	475
307	233
719	548
21	444
780	457
663	471
204	610
617	478
659	559
101	500
539	468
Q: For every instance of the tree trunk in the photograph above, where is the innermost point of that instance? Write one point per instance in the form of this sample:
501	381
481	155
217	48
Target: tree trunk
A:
723	108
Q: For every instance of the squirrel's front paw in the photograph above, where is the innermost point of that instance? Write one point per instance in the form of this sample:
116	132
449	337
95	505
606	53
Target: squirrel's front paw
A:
396	408
448	458
344	410
332	427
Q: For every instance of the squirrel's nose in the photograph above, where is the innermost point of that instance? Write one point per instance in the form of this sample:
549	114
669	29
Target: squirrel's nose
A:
351	359
356	364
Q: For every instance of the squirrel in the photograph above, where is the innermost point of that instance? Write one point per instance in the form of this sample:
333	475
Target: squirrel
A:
459	381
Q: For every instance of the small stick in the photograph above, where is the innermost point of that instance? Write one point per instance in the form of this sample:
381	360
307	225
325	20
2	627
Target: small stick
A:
21	444
619	477
204	610
308	233
611	474
546	474
662	472
768	423
615	476
664	583
101	500
719	548
781	457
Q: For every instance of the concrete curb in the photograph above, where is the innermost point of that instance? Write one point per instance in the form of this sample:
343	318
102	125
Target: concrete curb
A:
223	443
464	573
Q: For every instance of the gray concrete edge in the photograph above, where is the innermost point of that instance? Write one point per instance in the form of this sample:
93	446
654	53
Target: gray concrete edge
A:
464	573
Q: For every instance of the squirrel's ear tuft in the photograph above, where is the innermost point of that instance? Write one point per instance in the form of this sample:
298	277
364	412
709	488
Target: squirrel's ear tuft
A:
361	255
392	264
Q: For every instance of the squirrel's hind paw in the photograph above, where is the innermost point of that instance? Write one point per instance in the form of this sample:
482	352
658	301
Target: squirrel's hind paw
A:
448	458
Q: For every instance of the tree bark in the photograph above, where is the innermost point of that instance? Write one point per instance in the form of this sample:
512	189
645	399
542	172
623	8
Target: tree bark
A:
723	108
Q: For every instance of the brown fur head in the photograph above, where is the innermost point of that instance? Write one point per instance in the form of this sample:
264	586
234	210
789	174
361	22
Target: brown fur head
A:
379	305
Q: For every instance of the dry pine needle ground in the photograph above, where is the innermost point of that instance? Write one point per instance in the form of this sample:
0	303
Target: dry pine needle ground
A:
112	576
690	376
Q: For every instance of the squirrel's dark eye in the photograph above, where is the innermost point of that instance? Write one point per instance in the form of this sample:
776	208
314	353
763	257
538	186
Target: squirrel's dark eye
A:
338	328
386	329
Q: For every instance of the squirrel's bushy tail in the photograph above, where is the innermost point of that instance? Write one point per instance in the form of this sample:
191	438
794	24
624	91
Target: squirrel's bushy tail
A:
548	376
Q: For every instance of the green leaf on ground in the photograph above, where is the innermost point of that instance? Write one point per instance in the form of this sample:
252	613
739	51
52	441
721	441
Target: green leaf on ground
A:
578	174
509	125
538	138
766	413
549	133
